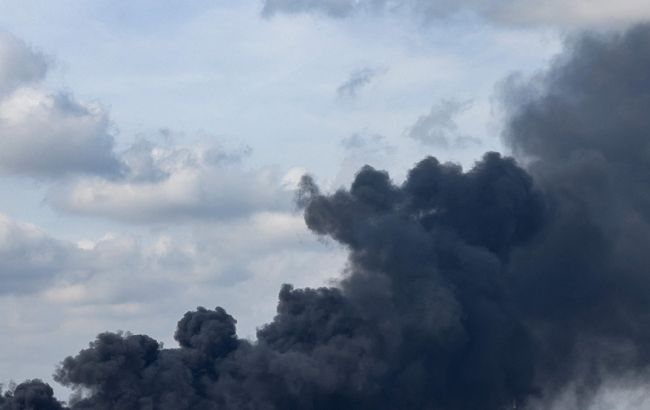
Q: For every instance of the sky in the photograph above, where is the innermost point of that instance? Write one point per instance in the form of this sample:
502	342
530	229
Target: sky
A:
150	153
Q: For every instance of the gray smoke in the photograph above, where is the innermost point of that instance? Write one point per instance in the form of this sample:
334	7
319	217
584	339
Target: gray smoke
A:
583	283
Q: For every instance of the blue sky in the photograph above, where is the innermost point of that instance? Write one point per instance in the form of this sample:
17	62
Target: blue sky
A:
151	152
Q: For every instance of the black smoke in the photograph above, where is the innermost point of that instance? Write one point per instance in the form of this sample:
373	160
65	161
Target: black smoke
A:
583	283
30	395
497	287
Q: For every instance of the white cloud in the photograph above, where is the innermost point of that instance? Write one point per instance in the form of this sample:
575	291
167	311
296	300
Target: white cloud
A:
19	63
51	135
32	261
127	269
47	134
564	13
29	259
175	184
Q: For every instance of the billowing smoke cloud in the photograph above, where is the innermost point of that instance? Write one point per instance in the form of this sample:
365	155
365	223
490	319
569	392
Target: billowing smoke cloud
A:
583	284
483	289
30	395
423	317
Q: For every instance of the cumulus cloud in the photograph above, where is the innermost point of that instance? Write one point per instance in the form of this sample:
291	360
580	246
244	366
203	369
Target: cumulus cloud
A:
19	63
29	259
122	269
439	128
358	80
177	183
46	134
509	12
32	261
52	135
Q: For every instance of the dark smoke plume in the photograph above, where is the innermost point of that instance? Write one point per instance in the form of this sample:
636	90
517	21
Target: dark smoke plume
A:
583	283
473	290
30	395
423	318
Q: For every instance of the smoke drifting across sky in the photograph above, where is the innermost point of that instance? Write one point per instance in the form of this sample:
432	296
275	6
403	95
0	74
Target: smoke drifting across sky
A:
464	290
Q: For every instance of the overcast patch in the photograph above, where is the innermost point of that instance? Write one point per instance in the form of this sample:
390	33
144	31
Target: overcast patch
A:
508	12
89	272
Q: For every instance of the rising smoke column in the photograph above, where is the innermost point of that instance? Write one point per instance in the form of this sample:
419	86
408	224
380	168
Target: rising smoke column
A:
583	284
30	395
463	291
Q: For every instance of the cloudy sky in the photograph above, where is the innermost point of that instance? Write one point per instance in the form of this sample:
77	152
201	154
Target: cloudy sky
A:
149	153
